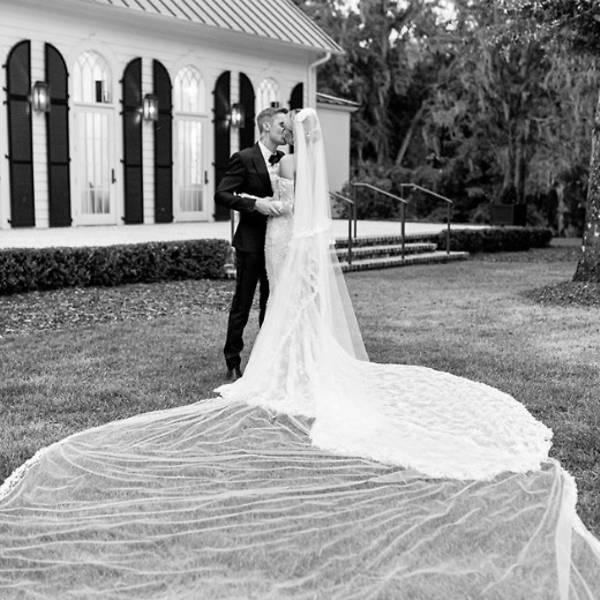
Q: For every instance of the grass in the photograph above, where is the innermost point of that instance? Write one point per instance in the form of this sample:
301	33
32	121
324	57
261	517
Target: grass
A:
147	347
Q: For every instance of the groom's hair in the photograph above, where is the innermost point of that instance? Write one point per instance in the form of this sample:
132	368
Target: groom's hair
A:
267	114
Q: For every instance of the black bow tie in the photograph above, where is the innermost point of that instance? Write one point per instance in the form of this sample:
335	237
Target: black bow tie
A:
275	158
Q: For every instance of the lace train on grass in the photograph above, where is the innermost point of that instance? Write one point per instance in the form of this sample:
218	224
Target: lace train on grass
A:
223	500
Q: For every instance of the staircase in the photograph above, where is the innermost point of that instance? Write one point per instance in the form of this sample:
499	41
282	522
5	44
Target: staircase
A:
386	251
381	252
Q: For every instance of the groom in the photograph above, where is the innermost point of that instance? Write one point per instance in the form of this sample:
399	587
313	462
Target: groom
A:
248	173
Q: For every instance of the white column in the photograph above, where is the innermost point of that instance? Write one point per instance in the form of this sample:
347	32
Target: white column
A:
148	146
38	130
234	96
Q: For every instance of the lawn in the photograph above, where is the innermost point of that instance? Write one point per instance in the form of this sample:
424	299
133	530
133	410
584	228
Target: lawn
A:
71	359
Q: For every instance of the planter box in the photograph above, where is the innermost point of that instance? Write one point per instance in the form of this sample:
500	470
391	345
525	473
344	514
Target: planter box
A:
508	214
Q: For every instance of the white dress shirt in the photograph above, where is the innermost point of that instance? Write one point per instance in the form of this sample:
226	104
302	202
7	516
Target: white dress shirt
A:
273	169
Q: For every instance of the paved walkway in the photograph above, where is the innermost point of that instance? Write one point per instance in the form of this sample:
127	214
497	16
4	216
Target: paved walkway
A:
131	234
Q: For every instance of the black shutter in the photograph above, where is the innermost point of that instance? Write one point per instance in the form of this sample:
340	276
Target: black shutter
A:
163	146
20	151
57	138
297	96
132	142
222	108
247	100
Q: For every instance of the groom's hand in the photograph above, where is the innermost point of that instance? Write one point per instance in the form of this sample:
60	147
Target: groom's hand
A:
267	208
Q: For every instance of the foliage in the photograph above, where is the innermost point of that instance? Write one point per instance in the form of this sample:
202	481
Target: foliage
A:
576	23
487	106
379	68
496	239
50	268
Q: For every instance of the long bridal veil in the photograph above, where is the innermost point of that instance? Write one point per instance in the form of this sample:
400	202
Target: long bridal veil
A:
316	475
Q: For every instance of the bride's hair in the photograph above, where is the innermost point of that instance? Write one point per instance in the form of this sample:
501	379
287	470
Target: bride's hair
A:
288	135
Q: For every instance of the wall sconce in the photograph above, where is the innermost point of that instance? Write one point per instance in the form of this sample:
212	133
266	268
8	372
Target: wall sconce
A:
150	107
40	97
237	117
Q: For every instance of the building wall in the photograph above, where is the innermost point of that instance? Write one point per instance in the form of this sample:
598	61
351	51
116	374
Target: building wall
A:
335	123
120	37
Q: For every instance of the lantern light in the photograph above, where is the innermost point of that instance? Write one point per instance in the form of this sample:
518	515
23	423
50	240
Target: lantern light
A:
40	97
150	107
237	117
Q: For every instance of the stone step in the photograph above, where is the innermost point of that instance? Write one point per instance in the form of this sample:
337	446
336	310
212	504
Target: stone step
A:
440	256
383	262
362	252
381	240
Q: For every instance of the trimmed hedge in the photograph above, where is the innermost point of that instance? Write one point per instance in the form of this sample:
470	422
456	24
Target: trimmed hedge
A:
496	239
26	269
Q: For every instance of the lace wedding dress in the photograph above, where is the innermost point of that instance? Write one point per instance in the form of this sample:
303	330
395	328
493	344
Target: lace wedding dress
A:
279	229
317	475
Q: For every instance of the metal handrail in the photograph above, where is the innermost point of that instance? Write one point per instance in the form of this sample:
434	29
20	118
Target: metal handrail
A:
449	204
376	189
427	191
351	217
403	204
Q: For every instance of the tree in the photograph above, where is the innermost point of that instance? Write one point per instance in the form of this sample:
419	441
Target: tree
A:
490	105
495	99
380	41
577	23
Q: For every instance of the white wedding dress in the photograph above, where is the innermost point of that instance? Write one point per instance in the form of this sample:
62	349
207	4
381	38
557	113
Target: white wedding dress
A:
317	475
279	229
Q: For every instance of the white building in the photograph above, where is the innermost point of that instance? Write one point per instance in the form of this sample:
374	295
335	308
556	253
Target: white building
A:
334	114
200	67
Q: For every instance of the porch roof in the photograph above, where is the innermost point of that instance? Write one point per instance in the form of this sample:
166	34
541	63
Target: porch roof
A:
336	101
278	20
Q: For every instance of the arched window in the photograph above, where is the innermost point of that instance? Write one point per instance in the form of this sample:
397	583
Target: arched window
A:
92	79
268	94
191	158
297	96
190	91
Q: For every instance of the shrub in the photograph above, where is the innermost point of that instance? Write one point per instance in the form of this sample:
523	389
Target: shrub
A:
27	269
496	239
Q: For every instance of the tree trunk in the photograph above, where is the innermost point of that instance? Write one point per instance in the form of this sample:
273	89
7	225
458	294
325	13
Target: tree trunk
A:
408	137
519	173
588	268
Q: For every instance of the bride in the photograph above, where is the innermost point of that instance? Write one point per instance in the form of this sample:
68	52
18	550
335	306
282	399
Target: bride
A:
318	474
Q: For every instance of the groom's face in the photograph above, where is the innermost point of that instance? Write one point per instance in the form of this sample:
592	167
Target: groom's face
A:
277	128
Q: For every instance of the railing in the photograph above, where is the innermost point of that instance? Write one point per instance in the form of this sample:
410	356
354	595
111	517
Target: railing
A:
351	218
352	214
448	202
404	202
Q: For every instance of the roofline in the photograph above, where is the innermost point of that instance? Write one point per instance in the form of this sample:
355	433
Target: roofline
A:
335	48
338	100
191	25
337	107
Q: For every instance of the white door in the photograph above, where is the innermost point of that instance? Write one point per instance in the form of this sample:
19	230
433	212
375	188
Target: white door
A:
191	176
94	165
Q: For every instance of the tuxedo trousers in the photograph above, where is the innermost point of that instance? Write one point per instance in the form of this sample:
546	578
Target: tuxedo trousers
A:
250	271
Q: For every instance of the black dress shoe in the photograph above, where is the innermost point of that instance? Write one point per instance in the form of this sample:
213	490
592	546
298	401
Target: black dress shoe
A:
233	374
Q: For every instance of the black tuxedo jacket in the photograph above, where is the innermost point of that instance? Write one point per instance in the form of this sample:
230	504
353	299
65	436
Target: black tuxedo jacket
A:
246	172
